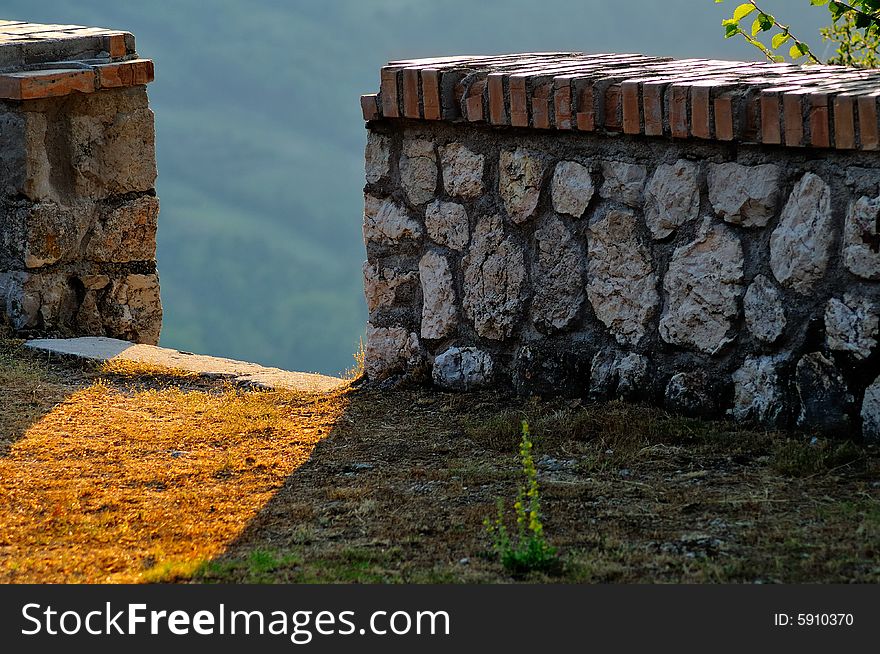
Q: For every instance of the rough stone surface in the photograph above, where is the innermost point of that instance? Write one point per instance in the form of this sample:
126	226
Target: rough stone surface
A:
703	286
764	311
418	170
132	310
758	392
824	399
124	232
439	315
462	368
520	183
801	244
744	195
851	325
571	188
691	394
613	374
377	157
861	238
99	348
672	197
384	286
388	223
390	350
447	224
557	276
624	182
622	284
871	412
494	280
462	171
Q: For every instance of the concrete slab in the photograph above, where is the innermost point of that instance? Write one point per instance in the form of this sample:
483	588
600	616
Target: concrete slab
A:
99	348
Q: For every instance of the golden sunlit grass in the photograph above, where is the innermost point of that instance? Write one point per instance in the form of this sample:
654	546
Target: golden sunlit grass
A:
113	485
125	368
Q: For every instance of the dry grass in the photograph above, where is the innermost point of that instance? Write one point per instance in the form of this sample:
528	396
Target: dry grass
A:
124	475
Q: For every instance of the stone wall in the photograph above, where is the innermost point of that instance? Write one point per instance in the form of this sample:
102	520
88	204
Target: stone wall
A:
78	207
715	273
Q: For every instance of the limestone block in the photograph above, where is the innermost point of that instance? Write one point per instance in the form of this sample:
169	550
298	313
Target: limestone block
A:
622	283
744	195
40	234
390	350
132	310
447	224
520	183
386	286
439	315
703	287
124	232
462	368
571	188
494	280
764	312
672	197
418	170
825	401
37	301
377	157
462	171
800	246
557	276
624	182
758	392
871	413
861	238
111	141
691	394
851	325
388	223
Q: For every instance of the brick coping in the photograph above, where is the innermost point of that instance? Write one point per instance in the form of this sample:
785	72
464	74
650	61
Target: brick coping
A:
728	101
41	61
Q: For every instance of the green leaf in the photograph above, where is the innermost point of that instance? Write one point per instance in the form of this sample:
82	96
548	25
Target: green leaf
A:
766	21
779	59
743	10
797	51
731	31
779	39
815	3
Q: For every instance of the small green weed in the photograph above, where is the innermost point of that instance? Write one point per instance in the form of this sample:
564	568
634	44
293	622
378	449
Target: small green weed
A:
806	458
529	550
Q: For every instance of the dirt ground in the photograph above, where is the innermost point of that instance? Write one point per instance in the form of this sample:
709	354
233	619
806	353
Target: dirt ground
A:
128	474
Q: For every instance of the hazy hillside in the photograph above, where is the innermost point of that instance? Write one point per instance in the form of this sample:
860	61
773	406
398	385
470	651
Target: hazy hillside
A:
260	140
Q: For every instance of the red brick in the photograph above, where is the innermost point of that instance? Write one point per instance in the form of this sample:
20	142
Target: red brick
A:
430	93
562	103
793	117
724	125
632	121
611	108
125	73
868	131
541	106
388	92
115	45
474	103
519	110
771	131
844	123
652	106
820	133
586	113
497	112
33	85
410	92
370	107
700	123
678	110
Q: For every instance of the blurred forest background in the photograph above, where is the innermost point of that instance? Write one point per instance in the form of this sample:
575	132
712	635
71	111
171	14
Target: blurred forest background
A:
260	138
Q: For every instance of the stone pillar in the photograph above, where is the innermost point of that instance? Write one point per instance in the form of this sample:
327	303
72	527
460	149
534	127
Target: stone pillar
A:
78	206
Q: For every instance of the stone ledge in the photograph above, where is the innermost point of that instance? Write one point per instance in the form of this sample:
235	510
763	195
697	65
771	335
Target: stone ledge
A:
43	61
729	101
